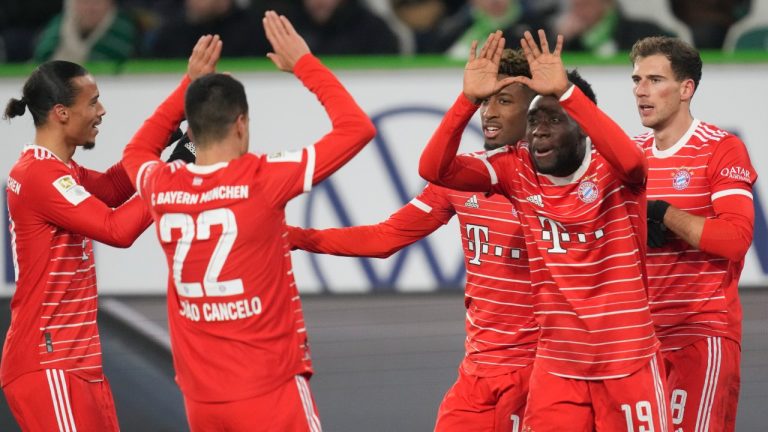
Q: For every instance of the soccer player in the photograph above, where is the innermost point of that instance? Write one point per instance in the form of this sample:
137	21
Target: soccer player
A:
492	385
51	370
578	187
238	339
700	220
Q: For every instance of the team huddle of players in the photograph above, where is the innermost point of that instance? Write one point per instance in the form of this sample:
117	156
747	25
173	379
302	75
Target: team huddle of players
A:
602	271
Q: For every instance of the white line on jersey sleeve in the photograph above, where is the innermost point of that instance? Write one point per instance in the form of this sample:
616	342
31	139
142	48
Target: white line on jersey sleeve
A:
491	171
142	169
310	172
421	205
729	192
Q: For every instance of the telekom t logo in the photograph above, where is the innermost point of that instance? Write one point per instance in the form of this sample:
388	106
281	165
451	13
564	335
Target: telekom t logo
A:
477	241
554	231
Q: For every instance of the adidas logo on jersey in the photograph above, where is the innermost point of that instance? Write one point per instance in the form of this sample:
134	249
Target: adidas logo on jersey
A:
536	199
472	202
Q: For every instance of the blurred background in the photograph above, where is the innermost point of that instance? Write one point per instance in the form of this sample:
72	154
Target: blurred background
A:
120	30
386	335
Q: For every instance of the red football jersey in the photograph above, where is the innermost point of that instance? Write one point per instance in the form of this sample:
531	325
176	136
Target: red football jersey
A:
53	217
586	241
694	294
235	318
231	285
501	331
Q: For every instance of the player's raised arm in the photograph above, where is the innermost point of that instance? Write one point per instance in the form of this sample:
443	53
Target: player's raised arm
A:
150	140
352	129
439	163
549	78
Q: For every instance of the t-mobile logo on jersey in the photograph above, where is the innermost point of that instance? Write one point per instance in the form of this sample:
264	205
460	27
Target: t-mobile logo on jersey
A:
554	231
477	242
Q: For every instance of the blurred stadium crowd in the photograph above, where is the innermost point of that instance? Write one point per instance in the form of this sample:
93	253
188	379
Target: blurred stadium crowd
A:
117	30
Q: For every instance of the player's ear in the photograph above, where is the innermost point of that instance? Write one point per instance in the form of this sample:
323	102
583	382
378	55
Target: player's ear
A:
241	125
60	112
687	88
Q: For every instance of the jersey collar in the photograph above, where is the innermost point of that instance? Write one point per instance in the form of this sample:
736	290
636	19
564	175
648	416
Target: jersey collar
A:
205	169
661	154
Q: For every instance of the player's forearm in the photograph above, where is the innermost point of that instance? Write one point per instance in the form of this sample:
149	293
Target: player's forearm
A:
624	156
404	227
687	226
113	187
361	241
439	163
127	222
150	140
118	227
729	234
351	127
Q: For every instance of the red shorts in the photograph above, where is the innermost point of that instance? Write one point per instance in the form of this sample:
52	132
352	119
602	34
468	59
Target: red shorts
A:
485	403
637	402
54	400
704	381
288	408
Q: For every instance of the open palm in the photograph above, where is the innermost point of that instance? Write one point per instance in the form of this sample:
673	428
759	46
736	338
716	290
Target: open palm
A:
548	76
482	70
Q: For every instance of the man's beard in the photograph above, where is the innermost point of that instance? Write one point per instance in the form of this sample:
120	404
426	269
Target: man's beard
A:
89	145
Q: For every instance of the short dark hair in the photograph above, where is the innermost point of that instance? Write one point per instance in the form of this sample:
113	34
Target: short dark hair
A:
576	79
684	58
213	103
48	85
513	63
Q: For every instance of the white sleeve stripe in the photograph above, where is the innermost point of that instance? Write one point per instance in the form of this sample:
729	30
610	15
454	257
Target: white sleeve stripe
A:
567	93
310	172
421	205
143	168
491	171
729	192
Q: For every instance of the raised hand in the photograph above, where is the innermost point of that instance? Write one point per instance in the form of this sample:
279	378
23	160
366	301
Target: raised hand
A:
287	44
204	56
482	70
547	70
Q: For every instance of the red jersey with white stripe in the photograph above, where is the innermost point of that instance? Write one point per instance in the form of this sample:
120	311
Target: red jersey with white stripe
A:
235	318
501	332
586	242
694	294
231	299
53	216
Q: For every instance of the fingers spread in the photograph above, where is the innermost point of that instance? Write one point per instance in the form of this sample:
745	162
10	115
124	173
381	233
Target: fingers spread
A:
473	50
534	50
544	42
559	45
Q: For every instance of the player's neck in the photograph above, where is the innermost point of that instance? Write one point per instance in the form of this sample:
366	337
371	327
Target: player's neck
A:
670	133
216	153
56	142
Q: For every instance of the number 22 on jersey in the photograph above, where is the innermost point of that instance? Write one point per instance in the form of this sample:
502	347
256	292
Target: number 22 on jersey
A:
200	230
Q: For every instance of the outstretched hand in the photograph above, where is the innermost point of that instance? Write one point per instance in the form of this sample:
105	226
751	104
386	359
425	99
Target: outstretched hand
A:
204	56
482	70
287	44
548	76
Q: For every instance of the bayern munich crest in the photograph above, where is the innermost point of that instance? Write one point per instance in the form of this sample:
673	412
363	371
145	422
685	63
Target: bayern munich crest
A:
588	191
681	179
